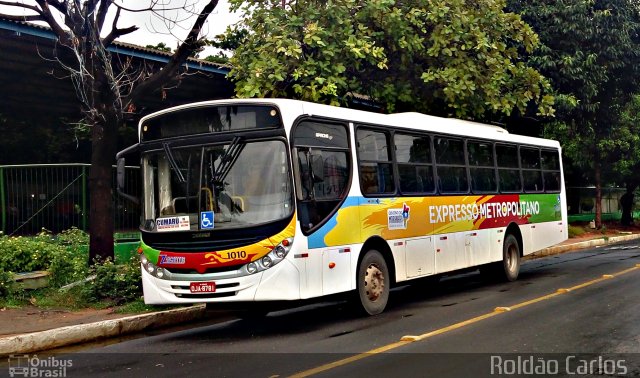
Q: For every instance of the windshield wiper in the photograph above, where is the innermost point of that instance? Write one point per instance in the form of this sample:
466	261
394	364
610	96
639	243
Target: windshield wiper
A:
172	162
228	159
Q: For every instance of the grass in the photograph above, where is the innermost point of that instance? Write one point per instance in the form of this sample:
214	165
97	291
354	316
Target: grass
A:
72	300
575	231
138	306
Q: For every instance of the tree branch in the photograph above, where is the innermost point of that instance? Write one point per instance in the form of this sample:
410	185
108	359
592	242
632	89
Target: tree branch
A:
115	32
102	13
22	18
20	5
51	21
190	44
60	6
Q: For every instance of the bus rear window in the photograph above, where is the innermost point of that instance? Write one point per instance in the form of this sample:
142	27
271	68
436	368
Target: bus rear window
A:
210	119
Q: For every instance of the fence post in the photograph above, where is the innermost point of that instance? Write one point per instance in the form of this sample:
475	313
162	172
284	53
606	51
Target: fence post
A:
3	204
84	198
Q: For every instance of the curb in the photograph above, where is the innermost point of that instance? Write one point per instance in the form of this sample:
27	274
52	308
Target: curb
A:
75	334
581	245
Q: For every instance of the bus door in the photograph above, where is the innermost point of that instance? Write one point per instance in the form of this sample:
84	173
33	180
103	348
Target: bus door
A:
322	167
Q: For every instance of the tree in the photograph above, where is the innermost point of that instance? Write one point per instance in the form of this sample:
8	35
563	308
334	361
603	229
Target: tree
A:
438	56
589	51
226	42
105	89
160	47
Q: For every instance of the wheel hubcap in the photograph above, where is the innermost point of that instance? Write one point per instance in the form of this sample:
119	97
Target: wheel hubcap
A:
373	282
511	258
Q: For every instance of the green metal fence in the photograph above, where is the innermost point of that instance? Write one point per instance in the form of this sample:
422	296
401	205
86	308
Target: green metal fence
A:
56	197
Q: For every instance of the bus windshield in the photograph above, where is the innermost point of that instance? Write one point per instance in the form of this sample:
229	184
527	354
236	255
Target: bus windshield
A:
222	186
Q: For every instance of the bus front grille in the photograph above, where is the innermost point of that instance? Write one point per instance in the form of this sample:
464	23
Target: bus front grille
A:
206	295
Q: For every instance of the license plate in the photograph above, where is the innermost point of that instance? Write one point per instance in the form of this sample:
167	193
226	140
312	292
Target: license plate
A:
202	287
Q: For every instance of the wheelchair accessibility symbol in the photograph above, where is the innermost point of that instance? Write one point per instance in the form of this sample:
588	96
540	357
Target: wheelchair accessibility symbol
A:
206	220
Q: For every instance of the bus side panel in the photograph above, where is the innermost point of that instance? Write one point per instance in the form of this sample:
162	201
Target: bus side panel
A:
332	250
546	234
481	246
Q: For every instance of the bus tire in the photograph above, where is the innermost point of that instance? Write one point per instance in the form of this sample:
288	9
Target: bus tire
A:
373	282
510	258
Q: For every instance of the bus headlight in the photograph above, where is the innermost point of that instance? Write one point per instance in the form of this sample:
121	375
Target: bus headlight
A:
155	271
280	252
276	255
266	261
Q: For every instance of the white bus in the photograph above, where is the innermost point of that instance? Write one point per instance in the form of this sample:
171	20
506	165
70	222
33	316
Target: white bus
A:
269	200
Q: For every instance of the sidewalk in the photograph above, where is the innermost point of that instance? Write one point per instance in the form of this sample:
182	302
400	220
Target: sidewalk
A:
32	329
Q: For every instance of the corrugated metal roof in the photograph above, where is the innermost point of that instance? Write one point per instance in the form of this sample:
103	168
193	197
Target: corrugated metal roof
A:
117	47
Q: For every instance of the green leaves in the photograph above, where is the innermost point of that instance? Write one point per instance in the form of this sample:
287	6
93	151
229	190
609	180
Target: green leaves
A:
437	56
590	53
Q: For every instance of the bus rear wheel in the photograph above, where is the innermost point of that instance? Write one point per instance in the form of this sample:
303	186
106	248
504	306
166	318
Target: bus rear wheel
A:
373	283
510	258
507	269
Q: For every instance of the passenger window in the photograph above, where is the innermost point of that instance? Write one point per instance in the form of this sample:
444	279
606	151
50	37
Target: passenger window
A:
413	155
481	167
450	166
551	170
531	175
508	169
376	170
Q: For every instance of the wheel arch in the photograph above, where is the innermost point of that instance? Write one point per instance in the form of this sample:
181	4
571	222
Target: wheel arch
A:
380	245
514	230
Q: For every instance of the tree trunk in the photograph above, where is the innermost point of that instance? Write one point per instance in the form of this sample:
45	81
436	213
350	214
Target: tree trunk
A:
104	117
101	212
598	182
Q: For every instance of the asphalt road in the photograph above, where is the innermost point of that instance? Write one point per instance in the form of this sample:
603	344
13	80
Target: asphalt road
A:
572	313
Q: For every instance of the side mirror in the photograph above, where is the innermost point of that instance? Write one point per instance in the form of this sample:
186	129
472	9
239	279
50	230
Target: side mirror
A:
120	173
120	169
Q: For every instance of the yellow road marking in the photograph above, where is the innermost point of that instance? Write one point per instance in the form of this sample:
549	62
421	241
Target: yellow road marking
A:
413	338
348	360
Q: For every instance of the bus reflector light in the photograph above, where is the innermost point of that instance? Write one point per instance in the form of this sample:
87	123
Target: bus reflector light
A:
332	265
286	242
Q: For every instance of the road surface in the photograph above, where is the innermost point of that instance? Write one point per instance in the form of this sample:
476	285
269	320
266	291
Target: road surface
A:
572	313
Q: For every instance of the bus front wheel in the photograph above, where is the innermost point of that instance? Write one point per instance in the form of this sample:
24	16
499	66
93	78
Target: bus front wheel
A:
373	283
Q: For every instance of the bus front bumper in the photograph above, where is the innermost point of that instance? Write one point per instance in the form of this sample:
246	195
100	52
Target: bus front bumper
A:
281	282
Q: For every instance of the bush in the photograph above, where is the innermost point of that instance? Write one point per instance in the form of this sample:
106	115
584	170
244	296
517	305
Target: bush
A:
26	254
115	282
575	231
64	255
6	283
68	266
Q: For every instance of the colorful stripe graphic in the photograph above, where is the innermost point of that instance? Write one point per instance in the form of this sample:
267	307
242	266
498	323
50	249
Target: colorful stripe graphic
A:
395	218
201	261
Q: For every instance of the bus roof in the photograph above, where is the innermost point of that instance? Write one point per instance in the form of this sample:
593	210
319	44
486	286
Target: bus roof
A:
292	109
